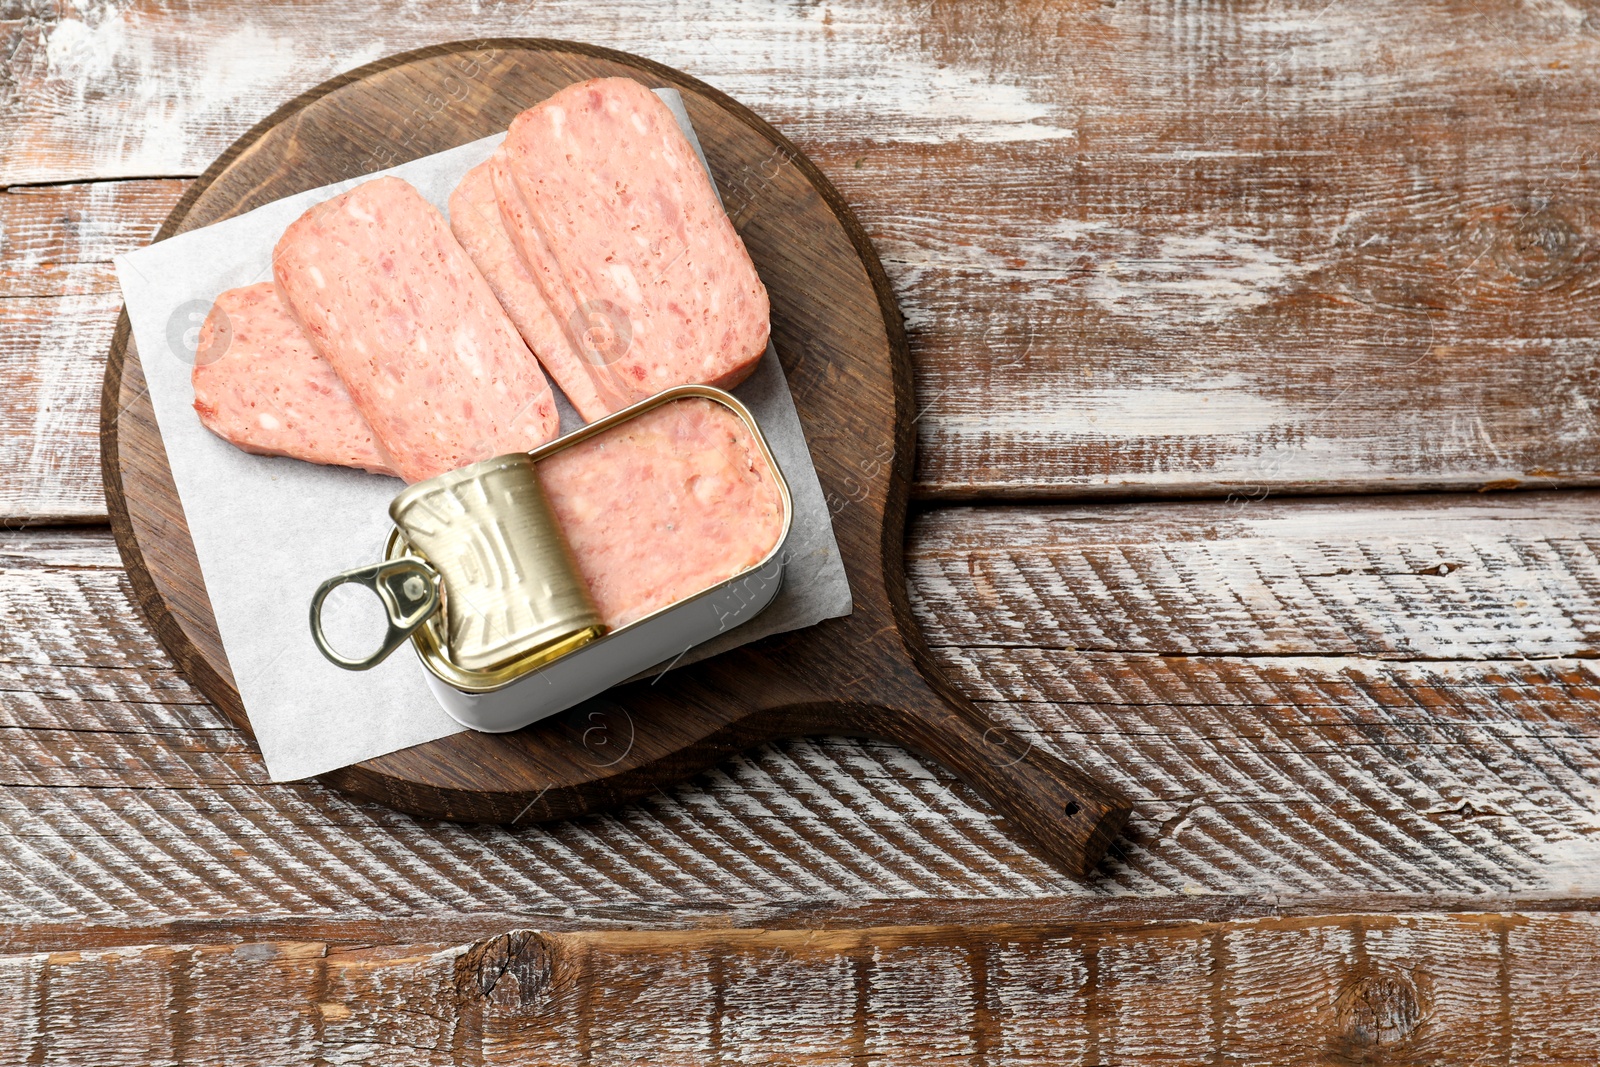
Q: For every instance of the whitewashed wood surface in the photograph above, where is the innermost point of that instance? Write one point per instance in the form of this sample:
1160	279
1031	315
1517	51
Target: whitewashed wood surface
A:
1300	702
1145	249
1142	248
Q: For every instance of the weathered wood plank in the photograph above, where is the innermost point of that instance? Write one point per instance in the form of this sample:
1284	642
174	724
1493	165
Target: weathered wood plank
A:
59	303
1280	744
1435	988
58	240
52	358
1418	670
1426	577
1144	248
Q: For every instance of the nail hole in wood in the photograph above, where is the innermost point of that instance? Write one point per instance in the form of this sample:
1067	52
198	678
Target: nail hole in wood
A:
1072	807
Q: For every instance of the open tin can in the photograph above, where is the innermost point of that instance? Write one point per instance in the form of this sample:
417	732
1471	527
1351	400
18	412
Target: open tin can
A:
479	577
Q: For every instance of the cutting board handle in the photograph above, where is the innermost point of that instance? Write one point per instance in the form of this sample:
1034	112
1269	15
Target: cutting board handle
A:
1068	816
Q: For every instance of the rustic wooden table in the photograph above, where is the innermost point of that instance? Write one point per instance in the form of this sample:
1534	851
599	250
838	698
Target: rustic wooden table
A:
1168	268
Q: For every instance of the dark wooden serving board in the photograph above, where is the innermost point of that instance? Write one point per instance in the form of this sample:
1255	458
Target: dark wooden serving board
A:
839	335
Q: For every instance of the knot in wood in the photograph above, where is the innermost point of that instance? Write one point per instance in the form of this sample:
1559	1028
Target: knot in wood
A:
1536	246
1376	1012
517	964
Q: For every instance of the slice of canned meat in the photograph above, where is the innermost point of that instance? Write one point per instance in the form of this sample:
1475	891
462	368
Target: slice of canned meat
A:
663	506
476	220
618	224
259	385
385	293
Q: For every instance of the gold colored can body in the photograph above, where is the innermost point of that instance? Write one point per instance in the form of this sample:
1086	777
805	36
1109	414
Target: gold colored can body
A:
512	591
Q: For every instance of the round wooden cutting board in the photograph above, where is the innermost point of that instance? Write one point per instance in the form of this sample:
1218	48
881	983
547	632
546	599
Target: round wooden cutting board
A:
839	336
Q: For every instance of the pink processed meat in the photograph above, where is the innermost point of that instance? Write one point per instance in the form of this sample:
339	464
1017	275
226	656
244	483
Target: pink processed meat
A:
388	297
259	385
595	333
664	506
475	218
619	227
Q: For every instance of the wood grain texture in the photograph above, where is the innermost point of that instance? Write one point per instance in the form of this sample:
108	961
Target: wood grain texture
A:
59	304
1440	748
48	425
1241	249
1202	249
58	240
1340	989
834	326
1273	633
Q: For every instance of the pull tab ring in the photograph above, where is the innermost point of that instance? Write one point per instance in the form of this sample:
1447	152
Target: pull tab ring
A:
409	590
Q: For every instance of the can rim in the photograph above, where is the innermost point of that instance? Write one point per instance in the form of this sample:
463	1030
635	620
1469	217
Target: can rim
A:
426	639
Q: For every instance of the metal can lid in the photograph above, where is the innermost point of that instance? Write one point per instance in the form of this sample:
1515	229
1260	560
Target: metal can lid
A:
512	591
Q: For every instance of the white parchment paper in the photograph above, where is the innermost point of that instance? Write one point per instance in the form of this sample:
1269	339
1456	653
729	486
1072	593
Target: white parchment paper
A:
268	530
